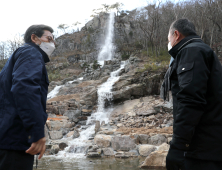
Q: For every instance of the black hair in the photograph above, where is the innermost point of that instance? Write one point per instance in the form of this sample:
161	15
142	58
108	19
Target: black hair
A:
184	26
37	30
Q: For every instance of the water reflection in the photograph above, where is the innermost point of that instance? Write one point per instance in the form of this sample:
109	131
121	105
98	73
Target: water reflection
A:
90	164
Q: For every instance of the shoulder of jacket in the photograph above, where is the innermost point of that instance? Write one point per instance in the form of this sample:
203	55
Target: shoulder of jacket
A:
27	49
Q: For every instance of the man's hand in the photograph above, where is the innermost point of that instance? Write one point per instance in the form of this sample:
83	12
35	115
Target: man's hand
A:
37	147
175	159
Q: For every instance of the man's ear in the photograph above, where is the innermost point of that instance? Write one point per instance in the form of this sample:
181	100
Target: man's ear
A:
34	39
177	34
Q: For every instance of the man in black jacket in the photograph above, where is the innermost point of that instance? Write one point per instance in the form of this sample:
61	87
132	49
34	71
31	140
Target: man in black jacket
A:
23	93
196	84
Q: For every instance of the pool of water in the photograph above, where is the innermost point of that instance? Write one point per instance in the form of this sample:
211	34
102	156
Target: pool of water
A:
54	163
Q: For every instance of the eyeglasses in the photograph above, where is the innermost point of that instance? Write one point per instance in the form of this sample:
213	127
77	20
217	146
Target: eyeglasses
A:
50	39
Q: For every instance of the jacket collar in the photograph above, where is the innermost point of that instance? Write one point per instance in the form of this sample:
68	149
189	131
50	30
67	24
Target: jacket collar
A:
44	55
187	40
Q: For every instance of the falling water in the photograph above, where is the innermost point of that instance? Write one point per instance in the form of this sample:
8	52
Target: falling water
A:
77	146
55	91
107	50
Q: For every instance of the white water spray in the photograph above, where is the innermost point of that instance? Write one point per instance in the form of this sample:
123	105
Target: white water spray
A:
55	91
108	49
77	146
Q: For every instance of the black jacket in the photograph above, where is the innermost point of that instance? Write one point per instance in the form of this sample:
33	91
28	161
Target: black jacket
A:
196	85
23	93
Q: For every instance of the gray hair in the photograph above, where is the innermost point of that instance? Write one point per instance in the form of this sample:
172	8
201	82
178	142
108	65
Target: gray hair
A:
37	30
184	26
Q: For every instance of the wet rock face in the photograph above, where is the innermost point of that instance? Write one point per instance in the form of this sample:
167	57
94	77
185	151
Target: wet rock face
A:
54	149
73	115
94	151
62	146
84	46
76	134
123	143
109	66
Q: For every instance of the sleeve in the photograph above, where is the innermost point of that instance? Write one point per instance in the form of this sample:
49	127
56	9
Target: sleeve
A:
26	90
193	74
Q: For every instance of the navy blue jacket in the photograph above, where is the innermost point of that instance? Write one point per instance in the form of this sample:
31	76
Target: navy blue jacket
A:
23	94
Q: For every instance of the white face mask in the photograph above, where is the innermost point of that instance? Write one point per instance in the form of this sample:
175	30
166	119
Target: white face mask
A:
169	46
47	47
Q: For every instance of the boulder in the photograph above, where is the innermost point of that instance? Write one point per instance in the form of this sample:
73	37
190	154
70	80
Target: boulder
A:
97	126
70	134
55	135
163	147
62	109
143	139
46	131
76	134
157	139
108	152
121	155
152	84
55	125
133	153
93	154
146	150
62	146
169	139
127	91
73	115
54	149
102	141
156	160
124	143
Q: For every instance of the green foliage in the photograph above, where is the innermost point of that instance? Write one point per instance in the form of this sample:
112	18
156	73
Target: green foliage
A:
125	56
152	67
54	75
131	34
96	65
138	45
163	56
88	38
85	65
91	30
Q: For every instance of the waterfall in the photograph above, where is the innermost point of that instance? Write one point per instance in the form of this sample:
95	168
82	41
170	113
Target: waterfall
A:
55	91
76	147
108	48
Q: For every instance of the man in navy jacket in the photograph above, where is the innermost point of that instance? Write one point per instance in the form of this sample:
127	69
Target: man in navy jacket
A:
23	93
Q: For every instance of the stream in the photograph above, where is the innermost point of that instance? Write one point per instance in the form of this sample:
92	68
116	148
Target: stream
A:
90	164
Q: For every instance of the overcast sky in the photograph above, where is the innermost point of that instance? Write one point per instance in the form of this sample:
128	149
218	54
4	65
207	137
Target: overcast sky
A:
17	15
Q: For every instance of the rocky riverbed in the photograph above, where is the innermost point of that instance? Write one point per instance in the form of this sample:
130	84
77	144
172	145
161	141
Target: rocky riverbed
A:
140	123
